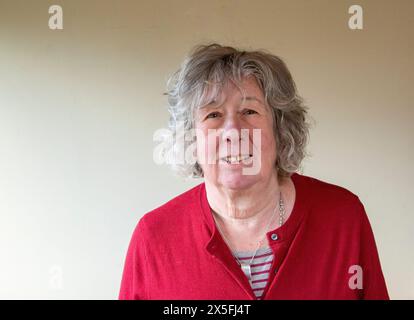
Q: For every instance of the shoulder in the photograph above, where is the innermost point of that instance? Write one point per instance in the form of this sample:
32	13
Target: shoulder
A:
174	212
327	191
331	199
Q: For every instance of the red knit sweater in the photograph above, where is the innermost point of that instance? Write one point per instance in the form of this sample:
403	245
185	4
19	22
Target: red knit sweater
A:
176	252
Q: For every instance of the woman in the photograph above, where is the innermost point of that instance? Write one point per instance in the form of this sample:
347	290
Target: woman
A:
255	228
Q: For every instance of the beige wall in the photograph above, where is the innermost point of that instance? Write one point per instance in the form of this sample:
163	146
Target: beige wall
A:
79	106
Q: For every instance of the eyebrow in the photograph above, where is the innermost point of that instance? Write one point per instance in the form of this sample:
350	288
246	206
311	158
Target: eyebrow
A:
242	99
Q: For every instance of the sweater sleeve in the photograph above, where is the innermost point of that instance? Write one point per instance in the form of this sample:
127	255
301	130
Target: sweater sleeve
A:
374	286
133	283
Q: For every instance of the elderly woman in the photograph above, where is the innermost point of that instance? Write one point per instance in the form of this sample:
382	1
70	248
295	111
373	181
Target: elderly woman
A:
255	228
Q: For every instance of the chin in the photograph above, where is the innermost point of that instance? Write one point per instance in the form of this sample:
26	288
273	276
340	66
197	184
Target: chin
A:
238	182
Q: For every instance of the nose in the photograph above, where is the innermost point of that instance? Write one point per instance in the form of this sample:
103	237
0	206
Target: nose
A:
234	138
231	129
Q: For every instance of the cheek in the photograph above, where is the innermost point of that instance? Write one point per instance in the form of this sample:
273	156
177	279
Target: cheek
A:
204	152
206	143
268	146
269	141
200	138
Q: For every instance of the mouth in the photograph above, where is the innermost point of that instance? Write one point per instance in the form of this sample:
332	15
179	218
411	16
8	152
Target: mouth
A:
236	159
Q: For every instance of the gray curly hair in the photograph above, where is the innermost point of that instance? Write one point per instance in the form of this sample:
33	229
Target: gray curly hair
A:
203	74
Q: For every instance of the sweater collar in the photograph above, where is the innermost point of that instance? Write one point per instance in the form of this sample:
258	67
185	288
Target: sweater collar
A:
285	233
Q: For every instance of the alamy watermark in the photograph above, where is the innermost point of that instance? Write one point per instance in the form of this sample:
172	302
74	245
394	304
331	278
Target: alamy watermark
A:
227	147
356	21
56	277
56	19
356	280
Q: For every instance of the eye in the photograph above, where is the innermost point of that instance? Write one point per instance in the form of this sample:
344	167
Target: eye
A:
212	115
249	112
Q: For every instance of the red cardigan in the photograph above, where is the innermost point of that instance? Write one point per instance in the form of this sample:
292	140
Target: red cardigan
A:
176	252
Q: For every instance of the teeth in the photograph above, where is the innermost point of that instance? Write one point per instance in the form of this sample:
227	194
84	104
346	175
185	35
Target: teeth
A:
236	159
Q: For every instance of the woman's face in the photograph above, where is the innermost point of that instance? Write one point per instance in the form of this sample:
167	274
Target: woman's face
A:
231	127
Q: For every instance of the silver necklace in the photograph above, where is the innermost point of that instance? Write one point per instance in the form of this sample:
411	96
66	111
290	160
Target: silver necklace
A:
247	267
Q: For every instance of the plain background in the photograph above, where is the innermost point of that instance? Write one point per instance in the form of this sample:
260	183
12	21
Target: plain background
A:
79	107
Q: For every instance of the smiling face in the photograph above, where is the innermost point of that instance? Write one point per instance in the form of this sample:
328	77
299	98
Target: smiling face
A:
225	133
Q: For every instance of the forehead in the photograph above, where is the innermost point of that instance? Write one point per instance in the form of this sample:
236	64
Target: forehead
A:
248	89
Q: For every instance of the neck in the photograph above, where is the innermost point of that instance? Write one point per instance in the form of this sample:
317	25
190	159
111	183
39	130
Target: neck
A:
245	212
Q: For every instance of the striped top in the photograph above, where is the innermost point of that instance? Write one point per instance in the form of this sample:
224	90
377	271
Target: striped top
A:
260	268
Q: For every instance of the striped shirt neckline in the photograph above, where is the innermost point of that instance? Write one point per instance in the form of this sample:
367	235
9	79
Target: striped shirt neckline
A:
260	267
